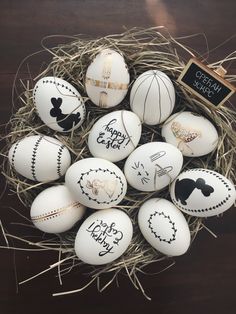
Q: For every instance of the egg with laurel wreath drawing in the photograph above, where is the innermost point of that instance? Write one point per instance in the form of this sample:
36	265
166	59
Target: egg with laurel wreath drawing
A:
192	133
152	166
96	183
202	192
152	97
115	135
103	237
107	79
164	227
54	210
39	158
58	103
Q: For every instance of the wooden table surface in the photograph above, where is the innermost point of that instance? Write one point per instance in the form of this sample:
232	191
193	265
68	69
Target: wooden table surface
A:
204	280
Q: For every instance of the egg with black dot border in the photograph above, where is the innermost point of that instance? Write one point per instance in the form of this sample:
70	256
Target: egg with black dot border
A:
202	192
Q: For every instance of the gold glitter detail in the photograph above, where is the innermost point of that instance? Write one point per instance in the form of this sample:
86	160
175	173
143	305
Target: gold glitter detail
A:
53	213
109	85
186	135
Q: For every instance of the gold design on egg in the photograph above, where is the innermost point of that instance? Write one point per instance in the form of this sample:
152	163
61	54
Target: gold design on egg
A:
106	71
103	100
185	135
97	185
107	85
54	213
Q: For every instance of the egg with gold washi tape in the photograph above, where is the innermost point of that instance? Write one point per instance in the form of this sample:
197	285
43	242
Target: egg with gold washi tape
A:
96	183
152	97
58	103
107	79
153	166
202	192
192	133
103	237
164	227
115	135
39	158
54	210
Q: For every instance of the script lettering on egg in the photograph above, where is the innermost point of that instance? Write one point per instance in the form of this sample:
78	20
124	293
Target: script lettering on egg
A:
111	137
106	235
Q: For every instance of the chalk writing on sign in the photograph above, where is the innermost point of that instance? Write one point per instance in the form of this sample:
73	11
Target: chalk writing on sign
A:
205	83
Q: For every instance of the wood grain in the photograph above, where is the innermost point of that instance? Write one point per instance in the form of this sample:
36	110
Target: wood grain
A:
202	281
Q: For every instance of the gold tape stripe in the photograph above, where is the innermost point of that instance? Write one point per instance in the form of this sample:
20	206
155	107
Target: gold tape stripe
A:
110	85
53	213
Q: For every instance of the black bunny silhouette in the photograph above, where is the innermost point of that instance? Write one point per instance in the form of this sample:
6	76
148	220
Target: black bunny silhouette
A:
65	121
184	187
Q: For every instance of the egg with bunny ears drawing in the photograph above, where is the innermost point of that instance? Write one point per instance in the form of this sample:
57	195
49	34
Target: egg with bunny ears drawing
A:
59	104
202	192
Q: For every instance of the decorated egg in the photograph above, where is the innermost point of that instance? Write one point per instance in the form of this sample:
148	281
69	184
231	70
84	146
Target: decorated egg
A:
152	166
164	227
192	133
103	237
96	183
152	97
202	192
54	210
115	135
107	79
40	158
59	104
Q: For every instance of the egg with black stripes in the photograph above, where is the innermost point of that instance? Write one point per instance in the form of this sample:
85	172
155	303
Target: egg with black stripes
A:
202	192
152	97
39	158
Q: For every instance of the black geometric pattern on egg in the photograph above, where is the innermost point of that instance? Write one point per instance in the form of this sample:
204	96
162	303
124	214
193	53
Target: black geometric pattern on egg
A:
154	226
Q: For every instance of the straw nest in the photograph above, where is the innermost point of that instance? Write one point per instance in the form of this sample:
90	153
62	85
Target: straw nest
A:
143	49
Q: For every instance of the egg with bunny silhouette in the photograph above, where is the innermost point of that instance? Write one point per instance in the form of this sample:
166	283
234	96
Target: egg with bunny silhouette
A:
202	192
58	104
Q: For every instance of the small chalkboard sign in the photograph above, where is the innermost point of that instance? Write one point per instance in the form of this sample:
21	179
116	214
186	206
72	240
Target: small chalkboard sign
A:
205	83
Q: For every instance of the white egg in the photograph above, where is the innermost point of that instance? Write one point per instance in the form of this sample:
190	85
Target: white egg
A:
96	183
115	135
164	227
202	192
103	237
193	134
107	79
39	158
152	97
54	210
152	166
59	104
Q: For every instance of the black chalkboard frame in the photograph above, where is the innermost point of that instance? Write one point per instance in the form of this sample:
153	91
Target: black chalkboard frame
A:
212	74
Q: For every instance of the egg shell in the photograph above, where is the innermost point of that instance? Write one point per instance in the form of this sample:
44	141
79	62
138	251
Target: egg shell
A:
103	237
96	183
164	227
152	166
39	158
152	97
107	79
115	135
59	105
54	210
202	192
193	134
